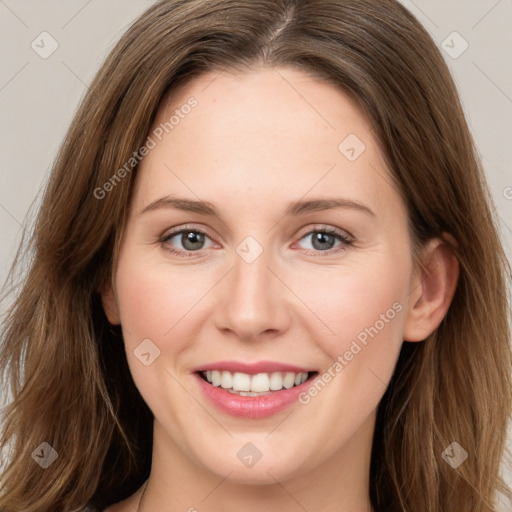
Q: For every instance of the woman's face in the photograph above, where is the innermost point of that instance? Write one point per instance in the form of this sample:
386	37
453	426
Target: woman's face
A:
305	267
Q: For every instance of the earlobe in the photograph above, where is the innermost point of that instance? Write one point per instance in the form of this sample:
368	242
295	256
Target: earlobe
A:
434	290
109	302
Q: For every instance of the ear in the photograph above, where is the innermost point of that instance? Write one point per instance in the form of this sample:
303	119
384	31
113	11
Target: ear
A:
109	302
432	289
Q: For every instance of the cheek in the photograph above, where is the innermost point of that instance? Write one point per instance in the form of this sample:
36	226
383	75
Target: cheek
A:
366	312
359	302
161	306
364	309
157	304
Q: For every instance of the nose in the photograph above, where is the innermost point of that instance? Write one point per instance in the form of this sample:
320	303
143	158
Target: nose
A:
252	302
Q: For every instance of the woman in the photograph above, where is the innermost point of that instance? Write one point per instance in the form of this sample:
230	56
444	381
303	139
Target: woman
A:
265	276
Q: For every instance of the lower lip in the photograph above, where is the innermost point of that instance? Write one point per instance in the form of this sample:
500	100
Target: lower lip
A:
252	407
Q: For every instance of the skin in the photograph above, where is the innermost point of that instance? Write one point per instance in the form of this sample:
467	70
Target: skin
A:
254	143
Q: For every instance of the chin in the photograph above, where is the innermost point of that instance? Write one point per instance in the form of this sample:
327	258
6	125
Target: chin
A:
264	471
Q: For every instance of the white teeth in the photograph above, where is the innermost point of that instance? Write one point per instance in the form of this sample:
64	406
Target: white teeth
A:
253	385
260	382
245	393
226	380
289	380
241	381
215	378
276	381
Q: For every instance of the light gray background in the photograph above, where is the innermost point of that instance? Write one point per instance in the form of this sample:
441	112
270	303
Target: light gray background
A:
38	97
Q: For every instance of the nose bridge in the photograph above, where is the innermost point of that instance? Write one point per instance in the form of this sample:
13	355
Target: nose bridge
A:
251	302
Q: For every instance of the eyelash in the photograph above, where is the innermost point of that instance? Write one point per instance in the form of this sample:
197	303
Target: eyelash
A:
345	241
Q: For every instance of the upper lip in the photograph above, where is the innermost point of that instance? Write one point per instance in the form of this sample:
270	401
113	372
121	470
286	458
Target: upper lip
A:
252	368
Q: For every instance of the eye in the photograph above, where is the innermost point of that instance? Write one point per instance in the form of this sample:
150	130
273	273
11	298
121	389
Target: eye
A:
187	241
190	240
324	240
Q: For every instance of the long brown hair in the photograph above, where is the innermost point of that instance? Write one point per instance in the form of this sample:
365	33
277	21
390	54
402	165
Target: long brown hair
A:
65	364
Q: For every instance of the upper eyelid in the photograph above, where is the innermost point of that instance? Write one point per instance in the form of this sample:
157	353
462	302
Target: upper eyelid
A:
181	229
326	227
306	231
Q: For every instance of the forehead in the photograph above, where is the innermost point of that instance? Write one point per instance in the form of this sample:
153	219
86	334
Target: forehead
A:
273	134
281	108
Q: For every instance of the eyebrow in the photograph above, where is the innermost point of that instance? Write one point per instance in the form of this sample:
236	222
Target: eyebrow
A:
294	209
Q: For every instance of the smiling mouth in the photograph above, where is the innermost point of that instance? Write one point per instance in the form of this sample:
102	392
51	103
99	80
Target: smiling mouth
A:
260	384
